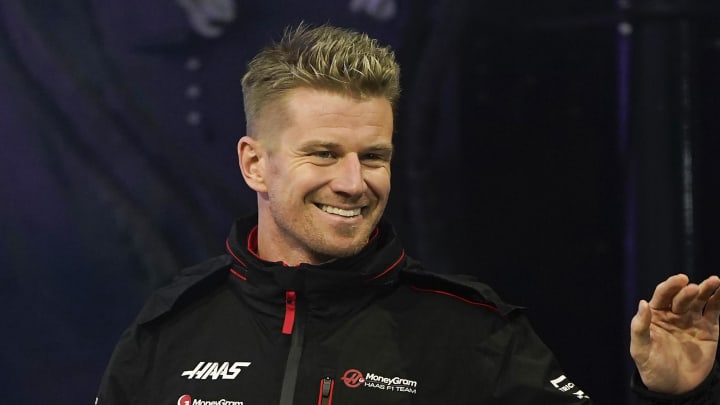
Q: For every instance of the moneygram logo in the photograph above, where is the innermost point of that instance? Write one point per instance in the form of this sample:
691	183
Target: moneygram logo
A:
188	400
354	378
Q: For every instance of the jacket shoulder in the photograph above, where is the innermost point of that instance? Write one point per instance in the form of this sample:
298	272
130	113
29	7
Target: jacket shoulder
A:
464	287
190	282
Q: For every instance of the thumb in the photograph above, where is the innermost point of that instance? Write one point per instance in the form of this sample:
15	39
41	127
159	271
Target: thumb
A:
640	331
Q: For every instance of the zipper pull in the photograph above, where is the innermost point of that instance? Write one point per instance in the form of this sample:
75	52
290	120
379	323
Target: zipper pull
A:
326	390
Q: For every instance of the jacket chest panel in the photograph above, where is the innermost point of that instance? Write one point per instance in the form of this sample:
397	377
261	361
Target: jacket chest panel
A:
375	356
221	354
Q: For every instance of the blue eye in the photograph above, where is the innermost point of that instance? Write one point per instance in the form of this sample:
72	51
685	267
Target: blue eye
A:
376	157
325	154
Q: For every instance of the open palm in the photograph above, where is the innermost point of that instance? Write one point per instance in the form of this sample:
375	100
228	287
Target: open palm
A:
674	337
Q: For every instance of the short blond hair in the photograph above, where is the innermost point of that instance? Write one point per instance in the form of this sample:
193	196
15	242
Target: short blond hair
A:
324	58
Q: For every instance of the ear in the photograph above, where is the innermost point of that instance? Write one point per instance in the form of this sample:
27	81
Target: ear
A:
252	160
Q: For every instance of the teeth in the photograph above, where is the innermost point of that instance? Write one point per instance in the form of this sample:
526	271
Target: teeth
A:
340	211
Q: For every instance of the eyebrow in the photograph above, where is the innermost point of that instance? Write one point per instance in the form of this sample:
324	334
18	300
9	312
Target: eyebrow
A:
382	147
319	144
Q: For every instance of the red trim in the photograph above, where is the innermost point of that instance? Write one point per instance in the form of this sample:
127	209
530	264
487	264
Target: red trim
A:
238	275
229	249
290	301
252	242
252	246
322	380
376	232
477	304
330	394
392	266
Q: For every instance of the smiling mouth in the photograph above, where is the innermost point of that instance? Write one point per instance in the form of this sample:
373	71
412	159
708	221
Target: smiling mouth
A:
339	211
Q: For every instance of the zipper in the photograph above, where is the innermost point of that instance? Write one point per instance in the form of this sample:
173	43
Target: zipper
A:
326	390
295	326
290	310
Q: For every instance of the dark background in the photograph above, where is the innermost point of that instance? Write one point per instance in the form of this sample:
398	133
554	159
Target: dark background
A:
564	152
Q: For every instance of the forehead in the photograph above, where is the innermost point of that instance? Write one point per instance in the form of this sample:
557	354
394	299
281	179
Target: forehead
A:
309	112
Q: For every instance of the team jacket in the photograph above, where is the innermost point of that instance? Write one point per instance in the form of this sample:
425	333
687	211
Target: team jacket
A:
372	329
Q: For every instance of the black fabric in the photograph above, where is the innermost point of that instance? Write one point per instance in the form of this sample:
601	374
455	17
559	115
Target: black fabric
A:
216	334
378	316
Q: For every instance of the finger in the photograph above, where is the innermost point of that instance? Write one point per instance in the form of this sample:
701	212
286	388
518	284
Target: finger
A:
712	307
685	299
662	298
640	331
706	290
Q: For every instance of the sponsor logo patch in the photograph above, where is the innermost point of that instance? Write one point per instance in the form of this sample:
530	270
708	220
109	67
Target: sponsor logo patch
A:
188	400
354	378
226	371
564	385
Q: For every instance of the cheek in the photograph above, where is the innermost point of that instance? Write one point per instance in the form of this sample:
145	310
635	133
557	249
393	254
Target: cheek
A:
297	182
379	183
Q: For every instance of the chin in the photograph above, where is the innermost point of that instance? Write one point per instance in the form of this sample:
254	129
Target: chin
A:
344	251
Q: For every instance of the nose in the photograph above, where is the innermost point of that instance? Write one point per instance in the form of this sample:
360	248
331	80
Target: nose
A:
348	177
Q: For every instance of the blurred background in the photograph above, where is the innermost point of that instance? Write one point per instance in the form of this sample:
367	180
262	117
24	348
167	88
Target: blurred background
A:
564	152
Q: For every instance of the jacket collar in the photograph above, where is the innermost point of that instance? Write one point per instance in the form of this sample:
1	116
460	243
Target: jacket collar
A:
344	280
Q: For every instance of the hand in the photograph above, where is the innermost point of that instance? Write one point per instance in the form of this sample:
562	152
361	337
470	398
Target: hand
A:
674	337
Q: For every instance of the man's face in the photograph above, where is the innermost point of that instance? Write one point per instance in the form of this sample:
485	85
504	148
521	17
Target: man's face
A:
325	176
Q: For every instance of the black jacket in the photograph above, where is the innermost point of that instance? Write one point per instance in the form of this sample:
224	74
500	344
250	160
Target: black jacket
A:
371	329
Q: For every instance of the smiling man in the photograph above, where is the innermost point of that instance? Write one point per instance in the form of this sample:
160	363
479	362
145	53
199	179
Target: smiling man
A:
323	178
316	301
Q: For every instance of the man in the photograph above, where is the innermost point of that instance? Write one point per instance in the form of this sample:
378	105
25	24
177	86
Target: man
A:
317	302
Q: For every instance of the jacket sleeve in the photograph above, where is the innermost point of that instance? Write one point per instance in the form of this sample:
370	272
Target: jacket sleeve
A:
133	358
123	379
707	393
528	372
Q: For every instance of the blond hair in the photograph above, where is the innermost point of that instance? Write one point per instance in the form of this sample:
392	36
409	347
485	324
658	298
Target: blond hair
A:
324	58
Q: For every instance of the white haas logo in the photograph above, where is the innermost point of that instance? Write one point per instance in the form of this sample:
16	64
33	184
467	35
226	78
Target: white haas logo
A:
226	371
